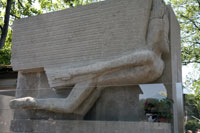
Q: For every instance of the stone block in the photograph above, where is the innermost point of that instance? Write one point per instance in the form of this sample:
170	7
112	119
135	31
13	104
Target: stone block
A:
88	127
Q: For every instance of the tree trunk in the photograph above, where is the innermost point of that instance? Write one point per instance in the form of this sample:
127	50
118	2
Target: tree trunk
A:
4	29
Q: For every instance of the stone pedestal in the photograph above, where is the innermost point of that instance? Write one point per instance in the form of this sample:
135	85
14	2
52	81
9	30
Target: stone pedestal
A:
34	126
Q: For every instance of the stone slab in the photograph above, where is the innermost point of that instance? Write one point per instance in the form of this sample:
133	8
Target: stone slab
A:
6	114
176	74
34	126
80	36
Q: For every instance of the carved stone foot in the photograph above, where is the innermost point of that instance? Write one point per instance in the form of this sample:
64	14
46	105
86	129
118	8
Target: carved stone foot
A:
25	102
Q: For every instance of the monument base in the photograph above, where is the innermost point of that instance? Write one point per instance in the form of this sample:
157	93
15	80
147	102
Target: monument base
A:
65	126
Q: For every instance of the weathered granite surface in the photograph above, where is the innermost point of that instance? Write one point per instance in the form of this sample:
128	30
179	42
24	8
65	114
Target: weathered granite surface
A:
107	43
88	127
6	114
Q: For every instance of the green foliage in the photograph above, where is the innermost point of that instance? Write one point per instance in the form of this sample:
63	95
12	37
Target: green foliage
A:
190	53
160	108
188	14
192	101
193	104
5	53
192	125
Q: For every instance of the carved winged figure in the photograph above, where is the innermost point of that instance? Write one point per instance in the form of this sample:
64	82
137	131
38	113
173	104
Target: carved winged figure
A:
141	66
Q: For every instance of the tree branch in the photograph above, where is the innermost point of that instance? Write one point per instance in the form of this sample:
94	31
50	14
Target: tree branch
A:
1	27
21	4
188	62
6	24
14	16
198	1
193	42
191	21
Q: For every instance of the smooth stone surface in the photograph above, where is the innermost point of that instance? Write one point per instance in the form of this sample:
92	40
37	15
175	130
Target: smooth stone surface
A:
6	114
117	104
19	126
80	36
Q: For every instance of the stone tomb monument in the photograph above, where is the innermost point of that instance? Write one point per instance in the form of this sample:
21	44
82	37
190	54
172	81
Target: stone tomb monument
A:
84	63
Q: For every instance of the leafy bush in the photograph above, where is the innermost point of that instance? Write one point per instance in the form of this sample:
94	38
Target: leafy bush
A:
159	108
5	53
192	125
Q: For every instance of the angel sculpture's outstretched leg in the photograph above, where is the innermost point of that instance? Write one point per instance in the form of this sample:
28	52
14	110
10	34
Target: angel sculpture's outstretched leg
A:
68	105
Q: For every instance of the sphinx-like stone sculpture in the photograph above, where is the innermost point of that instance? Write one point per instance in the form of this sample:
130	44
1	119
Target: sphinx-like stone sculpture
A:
108	43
